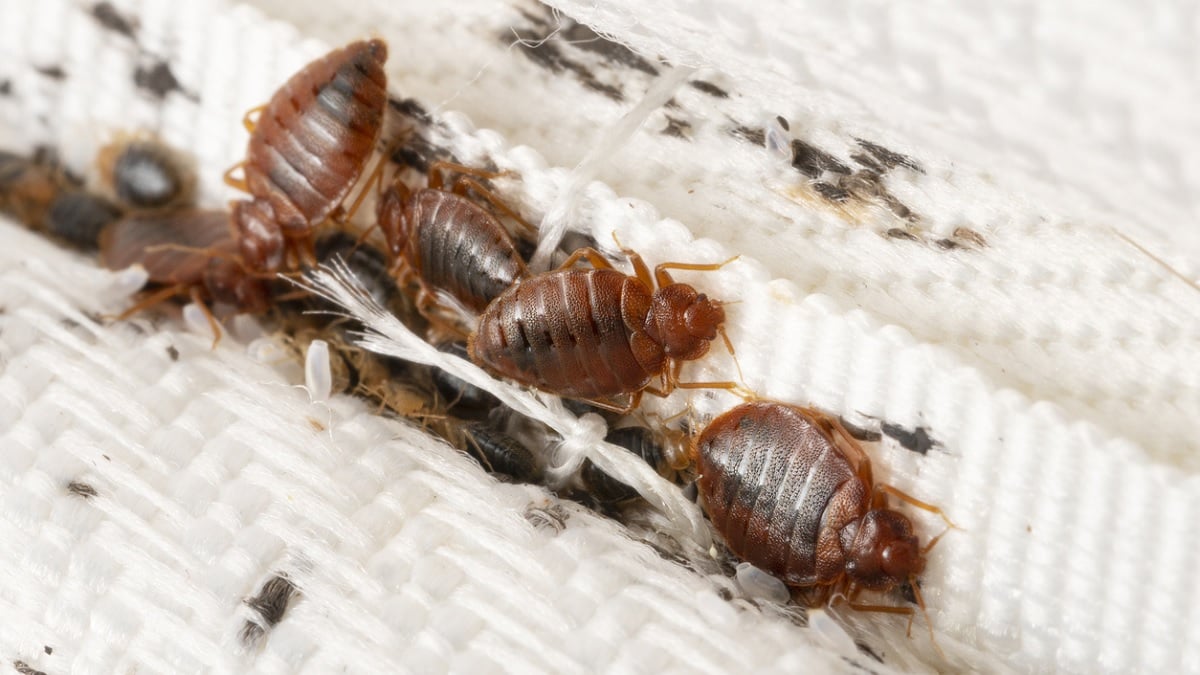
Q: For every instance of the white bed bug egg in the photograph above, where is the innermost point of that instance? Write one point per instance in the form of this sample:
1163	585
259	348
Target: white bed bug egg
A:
129	281
196	320
318	374
759	585
831	632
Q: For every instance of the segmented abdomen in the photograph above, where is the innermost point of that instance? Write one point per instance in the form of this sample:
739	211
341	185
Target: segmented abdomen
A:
769	479
317	133
175	247
463	249
568	332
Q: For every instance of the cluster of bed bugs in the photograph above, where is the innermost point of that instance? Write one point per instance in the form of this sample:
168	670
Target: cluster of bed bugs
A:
788	488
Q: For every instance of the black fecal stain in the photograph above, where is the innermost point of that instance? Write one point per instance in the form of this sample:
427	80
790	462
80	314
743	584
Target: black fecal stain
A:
783	123
725	594
947	244
52	72
916	440
831	192
6	88
860	433
889	158
26	669
866	161
418	152
582	37
678	128
111	19
172	352
898	207
866	649
549	54
158	80
967	238
813	161
709	88
48	649
409	107
755	136
271	603
901	233
81	489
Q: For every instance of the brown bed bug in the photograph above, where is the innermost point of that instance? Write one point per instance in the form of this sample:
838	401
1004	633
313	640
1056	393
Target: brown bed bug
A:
189	252
595	334
446	242
308	148
791	492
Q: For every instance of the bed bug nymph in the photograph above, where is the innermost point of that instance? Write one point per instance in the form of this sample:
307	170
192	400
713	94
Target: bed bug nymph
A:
447	242
599	333
189	252
791	492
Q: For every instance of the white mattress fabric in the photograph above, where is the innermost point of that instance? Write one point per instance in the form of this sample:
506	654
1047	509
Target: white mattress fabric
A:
988	234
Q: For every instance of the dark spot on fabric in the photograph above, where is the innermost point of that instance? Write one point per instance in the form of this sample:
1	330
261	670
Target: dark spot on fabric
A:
157	79
549	54
52	72
580	36
111	19
947	244
889	158
755	136
271	602
866	649
969	237
900	233
417	152
26	669
860	433
709	88
917	440
48	649
831	192
783	123
6	88
866	161
81	489
813	161
678	128
897	207
409	107
172	352
725	594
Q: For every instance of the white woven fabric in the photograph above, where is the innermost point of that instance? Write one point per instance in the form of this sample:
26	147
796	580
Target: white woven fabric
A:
1057	367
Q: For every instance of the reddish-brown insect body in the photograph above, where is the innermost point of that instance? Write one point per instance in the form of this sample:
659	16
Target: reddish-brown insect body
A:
450	243
308	149
596	333
792	493
186	252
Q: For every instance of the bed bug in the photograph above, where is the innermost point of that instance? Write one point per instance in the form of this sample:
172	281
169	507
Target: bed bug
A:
446	242
307	150
498	452
189	252
643	442
142	172
791	492
598	333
